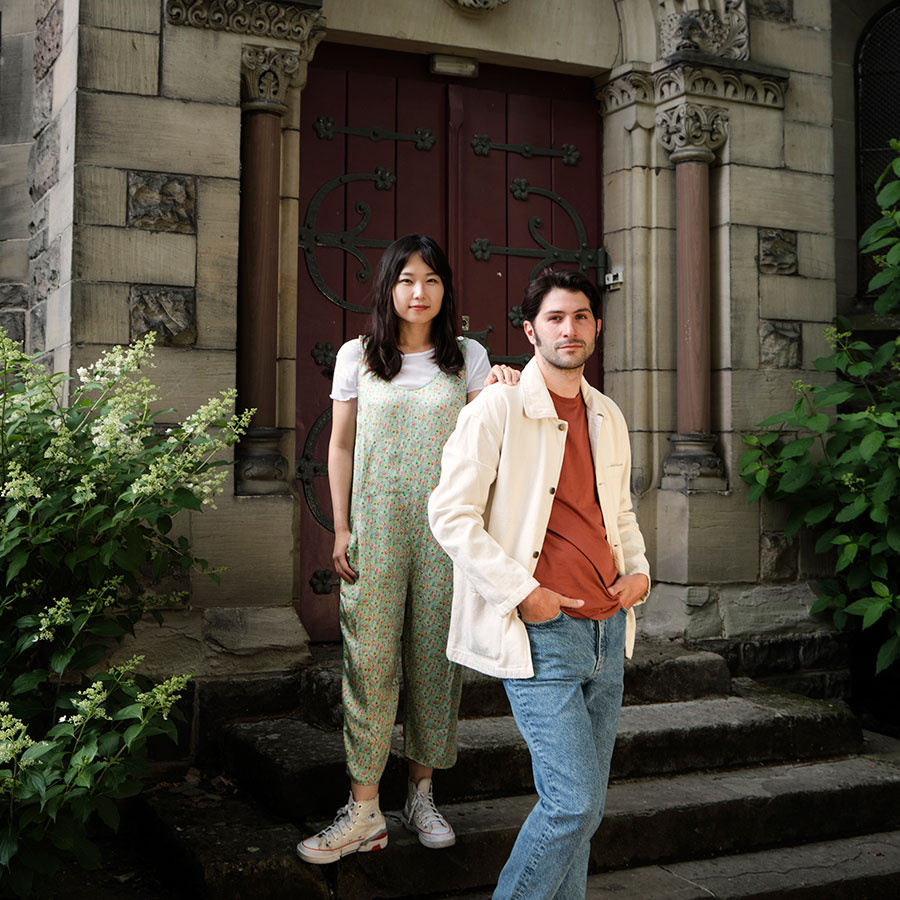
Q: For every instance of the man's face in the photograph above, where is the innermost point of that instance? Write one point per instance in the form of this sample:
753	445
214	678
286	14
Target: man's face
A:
564	332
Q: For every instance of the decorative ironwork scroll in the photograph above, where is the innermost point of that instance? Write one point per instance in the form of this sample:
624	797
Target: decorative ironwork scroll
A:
545	253
482	146
309	468
323	581
325	129
349	240
481	337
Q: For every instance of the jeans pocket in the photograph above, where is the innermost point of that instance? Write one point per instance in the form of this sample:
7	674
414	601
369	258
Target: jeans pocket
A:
547	623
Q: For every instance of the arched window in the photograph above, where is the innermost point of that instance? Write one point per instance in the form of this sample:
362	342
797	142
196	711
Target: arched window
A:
877	117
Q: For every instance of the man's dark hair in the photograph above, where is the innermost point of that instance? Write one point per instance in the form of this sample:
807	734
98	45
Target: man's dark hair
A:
558	278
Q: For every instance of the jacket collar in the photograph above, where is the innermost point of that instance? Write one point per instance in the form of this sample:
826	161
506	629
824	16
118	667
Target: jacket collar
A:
537	402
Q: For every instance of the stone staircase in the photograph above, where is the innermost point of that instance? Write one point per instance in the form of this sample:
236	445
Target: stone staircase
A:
720	788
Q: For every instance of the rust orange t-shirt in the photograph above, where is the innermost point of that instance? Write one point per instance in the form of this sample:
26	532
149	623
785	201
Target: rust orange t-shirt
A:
576	559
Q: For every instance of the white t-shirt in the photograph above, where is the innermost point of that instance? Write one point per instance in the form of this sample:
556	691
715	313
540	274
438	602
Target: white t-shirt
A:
416	370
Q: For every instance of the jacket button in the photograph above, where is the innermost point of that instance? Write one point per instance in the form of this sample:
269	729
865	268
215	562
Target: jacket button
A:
561	426
552	490
536	554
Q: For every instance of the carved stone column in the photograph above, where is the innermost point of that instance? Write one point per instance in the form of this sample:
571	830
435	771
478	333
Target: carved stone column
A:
691	133
267	74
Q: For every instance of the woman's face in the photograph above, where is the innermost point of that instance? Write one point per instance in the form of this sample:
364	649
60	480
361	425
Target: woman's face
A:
418	292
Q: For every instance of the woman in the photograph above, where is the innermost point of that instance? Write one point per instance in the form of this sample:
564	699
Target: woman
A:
397	393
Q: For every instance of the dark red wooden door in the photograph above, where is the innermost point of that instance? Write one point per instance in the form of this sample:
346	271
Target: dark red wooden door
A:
503	171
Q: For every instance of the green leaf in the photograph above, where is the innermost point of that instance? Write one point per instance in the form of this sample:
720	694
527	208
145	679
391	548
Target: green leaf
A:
88	657
839	392
796	448
17	563
9	844
847	555
893	538
871	444
888	195
186	499
888	653
880	589
879	514
795	478
818	513
821	604
756	491
777	419
60	660
818	422
825	542
852	510
108	812
28	681
860	369
879	567
877	230
882	278
132	733
134	711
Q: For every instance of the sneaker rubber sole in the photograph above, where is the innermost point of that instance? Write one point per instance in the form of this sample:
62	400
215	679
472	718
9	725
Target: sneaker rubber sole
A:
433	842
320	857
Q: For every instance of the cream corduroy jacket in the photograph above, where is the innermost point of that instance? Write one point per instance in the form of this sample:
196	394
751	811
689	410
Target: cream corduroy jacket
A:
490	510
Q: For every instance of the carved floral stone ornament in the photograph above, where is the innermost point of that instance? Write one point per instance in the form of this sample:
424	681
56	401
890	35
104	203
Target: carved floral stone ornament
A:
720	29
476	6
692	131
254	17
267	73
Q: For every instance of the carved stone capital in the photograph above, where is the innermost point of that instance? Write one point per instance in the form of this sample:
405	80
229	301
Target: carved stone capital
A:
266	75
692	132
693	465
476	6
260	18
720	31
633	87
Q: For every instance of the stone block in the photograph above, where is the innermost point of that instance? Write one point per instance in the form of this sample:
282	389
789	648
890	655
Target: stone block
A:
779	345
808	148
286	379
810	299
43	162
48	41
252	537
288	279
100	313
755	136
218	225
773	10
648	196
64	74
37	316
12	321
706	538
131	255
132	16
169	312
42	106
18	18
45	269
812	13
676	612
162	202
735	280
792	47
100	196
58	317
201	64
647	398
778	559
172	648
16	96
217	316
120	61
158	134
814	344
14	199
757	395
767	609
777	251
780	199
14	296
815	255
14	260
253	639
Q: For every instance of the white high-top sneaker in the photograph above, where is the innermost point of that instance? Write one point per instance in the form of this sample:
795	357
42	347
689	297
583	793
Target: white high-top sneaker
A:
421	815
358	827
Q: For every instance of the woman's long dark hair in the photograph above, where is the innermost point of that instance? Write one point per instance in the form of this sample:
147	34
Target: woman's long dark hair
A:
383	357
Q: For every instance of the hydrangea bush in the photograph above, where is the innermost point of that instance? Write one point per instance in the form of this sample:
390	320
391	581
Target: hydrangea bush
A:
90	483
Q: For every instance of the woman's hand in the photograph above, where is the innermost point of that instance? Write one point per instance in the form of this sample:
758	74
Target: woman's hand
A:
503	375
339	556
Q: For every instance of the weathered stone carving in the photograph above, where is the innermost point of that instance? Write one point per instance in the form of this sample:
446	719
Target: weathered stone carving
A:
160	202
692	128
47	41
266	75
777	251
13	323
693	465
477	5
774	10
779	345
261	469
692	81
169	311
255	17
717	32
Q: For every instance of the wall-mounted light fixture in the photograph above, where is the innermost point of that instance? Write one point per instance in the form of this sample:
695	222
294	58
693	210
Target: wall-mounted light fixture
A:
458	66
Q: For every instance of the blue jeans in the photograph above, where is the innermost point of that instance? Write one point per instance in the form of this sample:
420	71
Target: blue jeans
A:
568	713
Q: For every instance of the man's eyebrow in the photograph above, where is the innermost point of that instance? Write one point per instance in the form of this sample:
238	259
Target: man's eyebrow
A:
551	312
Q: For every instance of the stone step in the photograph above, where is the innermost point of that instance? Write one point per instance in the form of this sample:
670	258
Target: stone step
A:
661	672
235	851
299	771
865	867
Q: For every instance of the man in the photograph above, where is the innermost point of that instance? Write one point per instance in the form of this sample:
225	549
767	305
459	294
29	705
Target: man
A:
534	509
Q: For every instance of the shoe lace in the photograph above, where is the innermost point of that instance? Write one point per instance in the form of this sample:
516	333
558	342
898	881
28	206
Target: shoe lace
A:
343	820
425	811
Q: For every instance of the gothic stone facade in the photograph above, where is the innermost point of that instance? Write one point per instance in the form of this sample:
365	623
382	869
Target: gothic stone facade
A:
121	186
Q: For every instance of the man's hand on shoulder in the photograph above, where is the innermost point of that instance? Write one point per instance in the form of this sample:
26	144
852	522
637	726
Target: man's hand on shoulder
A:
542	604
628	589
